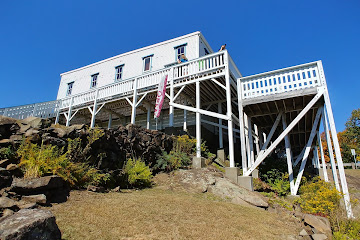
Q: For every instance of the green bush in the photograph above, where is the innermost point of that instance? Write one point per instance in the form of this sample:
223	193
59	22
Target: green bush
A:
278	181
38	161
171	161
347	229
7	153
319	197
138	174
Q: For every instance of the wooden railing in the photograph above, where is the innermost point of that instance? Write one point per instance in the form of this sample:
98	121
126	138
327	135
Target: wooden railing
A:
283	80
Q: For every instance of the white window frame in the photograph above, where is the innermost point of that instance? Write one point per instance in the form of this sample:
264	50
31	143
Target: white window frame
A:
70	86
117	73
177	54
150	63
94	77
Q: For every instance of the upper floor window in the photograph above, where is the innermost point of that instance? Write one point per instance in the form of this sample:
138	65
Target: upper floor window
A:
179	50
69	88
119	72
206	51
147	62
94	80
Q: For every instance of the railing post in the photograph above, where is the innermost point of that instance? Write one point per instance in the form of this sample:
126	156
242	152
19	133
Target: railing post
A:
171	108
133	110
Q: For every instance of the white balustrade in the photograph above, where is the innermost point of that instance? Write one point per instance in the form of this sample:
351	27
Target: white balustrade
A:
43	110
279	81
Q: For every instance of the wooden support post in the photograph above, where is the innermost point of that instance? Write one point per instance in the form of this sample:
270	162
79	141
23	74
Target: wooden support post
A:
323	163
271	133
288	156
198	120
69	112
148	108
229	110
241	127
94	110
251	142
316	158
185	117
343	182
308	148
257	140
110	121
221	137
171	108
331	154
135	96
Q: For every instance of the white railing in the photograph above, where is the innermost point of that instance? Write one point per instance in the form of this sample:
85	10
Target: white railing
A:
42	110
283	80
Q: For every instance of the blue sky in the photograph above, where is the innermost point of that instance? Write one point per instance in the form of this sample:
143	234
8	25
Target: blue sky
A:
41	39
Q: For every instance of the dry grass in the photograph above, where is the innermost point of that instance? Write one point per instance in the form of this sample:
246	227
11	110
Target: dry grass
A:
159	214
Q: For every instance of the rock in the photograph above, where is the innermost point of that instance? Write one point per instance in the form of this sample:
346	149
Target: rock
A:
39	198
31	132
36	122
16	138
7	212
319	237
8	126
54	187
7	203
12	167
5	162
29	224
303	233
92	188
5	178
117	189
321	224
60	132
23	205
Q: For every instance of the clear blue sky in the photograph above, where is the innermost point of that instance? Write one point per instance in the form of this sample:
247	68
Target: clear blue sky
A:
41	39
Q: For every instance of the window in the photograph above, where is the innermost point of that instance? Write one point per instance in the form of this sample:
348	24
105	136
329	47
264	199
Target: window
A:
119	72
206	51
147	63
179	50
94	80
69	88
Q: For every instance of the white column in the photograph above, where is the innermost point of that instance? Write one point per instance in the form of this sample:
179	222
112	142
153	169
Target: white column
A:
251	141
94	109
229	110
69	112
343	182
198	120
323	163
330	150
221	137
185	117
148	116
171	108
316	157
110	121
133	110
257	139
288	156
241	127
57	109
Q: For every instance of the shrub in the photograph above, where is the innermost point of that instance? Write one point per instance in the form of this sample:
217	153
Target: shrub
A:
184	144
278	181
7	153
138	174
347	229
319	197
171	161
38	161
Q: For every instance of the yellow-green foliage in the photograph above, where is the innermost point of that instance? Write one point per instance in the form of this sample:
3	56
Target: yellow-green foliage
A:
37	161
7	153
138	174
94	134
319	197
184	144
348	229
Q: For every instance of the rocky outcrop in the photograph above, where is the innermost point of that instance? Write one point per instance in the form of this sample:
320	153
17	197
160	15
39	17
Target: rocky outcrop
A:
29	224
209	180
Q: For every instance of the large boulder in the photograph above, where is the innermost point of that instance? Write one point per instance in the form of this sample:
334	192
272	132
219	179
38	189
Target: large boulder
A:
29	224
8	126
5	178
54	187
36	122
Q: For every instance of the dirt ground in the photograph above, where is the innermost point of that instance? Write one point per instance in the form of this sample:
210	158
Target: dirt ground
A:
164	214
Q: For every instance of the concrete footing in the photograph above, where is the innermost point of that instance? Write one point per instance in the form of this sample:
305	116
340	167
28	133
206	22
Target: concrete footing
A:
198	162
246	182
232	173
221	154
255	173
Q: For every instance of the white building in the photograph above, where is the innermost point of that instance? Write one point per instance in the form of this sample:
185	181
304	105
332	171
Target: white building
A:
248	116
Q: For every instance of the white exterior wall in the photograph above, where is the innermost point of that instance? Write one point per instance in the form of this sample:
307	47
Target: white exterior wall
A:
202	45
163	54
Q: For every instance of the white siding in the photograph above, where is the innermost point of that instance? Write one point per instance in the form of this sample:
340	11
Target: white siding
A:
202	45
163	54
